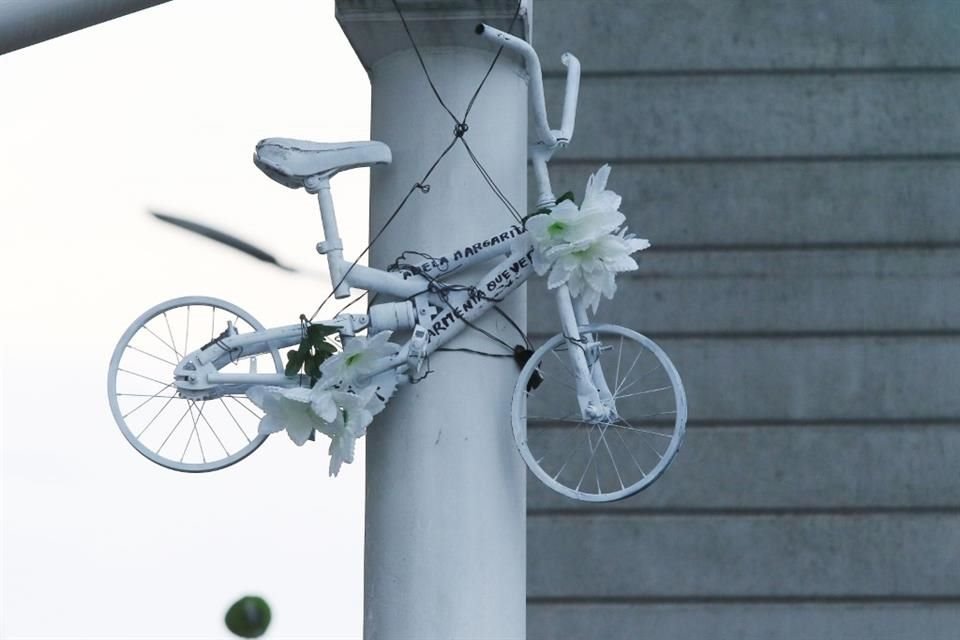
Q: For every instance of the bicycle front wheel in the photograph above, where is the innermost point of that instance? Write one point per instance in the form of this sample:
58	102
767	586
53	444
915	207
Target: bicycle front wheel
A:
601	459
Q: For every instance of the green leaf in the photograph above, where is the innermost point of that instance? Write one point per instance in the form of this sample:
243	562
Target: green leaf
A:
311	366
325	348
566	196
317	333
248	617
304	347
294	362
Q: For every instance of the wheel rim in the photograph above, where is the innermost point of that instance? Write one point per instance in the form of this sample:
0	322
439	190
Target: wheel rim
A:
608	459
172	431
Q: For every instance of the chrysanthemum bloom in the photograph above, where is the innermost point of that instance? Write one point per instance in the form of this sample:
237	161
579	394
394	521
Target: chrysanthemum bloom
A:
567	224
285	409
580	247
345	417
589	268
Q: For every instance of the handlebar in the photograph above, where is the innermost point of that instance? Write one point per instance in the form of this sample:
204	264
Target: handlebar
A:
550	138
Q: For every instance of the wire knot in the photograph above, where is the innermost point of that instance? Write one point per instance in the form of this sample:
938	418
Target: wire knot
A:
460	129
424	188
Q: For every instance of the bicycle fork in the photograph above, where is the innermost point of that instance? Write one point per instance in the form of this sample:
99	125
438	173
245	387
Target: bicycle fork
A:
593	395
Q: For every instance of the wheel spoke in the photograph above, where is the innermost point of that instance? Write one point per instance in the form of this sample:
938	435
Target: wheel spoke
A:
186	334
170	331
145	395
572	451
638	379
155	416
252	412
616	377
235	421
147	400
193	432
174	428
167	344
645	441
596	470
140	375
130	346
564	418
610	453
593	453
627	447
631	428
627	374
644	392
212	430
564	364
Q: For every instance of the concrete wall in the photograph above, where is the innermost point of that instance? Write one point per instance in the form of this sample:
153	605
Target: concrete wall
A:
797	167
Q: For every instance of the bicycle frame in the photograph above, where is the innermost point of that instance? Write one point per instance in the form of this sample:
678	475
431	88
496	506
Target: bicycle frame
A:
455	310
435	312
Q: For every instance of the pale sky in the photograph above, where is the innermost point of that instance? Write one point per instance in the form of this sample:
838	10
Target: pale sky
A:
161	109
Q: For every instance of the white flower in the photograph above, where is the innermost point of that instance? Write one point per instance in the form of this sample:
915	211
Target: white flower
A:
567	224
341	405
358	359
582	247
285	409
345	416
589	269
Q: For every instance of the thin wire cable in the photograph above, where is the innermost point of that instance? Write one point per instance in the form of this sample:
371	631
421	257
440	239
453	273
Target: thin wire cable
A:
459	130
493	63
506	316
423	65
492	183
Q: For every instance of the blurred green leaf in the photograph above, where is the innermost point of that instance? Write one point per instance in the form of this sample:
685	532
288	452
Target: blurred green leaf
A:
294	362
311	366
317	333
325	348
248	617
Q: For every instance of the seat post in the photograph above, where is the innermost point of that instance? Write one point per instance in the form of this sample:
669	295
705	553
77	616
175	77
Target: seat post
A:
332	246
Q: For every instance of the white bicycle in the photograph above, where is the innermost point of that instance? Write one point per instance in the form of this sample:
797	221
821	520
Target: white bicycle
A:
598	411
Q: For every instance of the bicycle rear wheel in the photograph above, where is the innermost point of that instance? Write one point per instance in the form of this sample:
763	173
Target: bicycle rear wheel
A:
607	458
181	433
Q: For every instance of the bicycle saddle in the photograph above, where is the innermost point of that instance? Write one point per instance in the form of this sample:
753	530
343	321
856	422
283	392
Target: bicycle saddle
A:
293	163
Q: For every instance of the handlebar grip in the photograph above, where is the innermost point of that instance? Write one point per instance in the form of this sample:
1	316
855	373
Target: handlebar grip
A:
570	96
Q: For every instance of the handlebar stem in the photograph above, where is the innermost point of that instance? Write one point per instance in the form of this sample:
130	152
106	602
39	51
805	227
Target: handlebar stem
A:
539	157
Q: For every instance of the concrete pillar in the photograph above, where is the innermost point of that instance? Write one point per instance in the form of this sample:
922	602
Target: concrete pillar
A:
445	548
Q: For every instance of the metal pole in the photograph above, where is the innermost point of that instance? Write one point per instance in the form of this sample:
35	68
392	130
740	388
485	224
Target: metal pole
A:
27	22
445	548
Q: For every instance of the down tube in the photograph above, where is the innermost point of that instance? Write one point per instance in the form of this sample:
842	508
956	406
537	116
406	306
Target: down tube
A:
465	307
